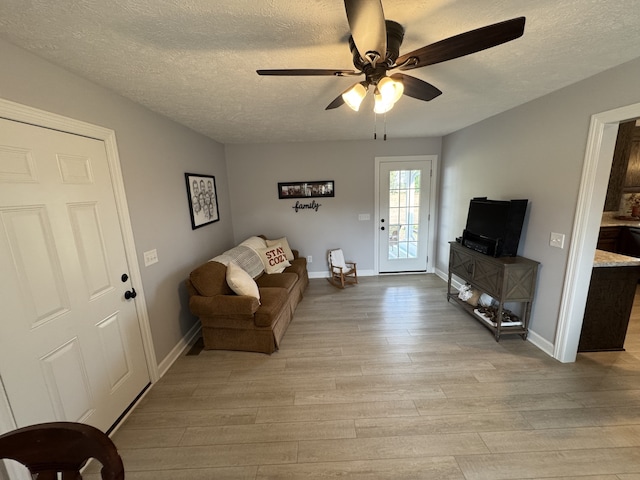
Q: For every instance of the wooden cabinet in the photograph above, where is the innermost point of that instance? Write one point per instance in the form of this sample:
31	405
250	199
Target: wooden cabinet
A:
609	304
506	279
629	243
623	240
609	239
619	179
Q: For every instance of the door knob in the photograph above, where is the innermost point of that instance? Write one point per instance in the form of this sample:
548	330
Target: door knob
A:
130	294
381	228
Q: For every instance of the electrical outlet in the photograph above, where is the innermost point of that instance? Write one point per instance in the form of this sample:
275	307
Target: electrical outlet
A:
557	240
150	257
309	259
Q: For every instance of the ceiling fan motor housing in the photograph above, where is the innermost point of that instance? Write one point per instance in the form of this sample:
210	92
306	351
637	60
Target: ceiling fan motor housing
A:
395	35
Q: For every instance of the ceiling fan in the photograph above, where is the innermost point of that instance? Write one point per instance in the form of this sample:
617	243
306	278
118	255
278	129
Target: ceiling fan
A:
375	46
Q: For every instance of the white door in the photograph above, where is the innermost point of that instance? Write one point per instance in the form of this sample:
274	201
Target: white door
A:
70	344
404	209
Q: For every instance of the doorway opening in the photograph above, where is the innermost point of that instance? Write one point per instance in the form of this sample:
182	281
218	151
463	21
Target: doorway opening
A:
593	186
405	214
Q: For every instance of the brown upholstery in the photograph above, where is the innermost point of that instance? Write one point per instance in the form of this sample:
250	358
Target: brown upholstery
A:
282	280
236	322
209	279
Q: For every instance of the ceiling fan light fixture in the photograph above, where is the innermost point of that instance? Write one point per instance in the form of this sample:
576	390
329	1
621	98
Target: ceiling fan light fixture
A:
391	90
381	105
355	95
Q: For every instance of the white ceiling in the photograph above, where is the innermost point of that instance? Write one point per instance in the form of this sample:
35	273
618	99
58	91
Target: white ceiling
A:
195	60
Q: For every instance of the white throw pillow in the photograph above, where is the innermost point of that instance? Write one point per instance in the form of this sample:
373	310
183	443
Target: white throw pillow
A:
274	259
285	245
241	282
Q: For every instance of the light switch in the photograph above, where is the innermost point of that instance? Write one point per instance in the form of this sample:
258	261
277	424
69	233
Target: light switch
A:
150	257
557	240
363	217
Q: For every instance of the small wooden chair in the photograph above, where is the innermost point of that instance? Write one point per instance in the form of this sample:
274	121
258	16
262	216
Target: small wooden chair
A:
48	449
341	272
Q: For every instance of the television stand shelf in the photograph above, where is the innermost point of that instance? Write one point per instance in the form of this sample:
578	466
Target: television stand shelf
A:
506	279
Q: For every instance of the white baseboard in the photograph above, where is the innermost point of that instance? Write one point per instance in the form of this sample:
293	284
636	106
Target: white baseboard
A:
179	349
443	275
545	345
325	274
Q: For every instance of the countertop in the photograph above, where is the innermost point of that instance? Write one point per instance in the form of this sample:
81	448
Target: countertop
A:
610	259
611	219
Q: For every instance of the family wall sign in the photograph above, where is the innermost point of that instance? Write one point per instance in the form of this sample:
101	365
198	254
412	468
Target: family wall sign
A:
313	205
306	190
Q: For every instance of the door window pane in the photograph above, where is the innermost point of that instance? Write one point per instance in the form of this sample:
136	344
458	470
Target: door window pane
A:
404	213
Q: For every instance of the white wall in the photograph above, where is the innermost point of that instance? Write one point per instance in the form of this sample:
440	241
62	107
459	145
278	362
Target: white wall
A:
534	151
154	153
254	173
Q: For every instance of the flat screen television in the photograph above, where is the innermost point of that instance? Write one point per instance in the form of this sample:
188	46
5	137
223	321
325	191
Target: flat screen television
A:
494	226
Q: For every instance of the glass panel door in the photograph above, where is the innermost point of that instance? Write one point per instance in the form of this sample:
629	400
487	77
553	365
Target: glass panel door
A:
404	211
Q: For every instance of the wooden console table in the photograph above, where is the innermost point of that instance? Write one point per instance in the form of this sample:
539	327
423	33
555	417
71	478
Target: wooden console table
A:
506	279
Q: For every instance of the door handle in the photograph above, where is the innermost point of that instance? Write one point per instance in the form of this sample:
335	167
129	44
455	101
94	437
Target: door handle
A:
130	294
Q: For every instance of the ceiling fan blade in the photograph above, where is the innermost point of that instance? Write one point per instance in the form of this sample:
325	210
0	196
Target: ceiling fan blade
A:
464	44
416	88
298	72
368	28
339	101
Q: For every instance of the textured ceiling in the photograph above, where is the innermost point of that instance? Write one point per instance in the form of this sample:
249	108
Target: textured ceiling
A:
195	60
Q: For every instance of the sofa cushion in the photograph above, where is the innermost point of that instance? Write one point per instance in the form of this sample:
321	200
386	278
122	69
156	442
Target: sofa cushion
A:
241	282
209	279
280	280
285	245
273	259
298	266
274	301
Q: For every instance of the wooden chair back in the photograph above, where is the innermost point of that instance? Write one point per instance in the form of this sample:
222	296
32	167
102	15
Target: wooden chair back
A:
48	449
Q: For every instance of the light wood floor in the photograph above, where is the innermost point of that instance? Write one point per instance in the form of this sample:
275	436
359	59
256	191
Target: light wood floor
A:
386	380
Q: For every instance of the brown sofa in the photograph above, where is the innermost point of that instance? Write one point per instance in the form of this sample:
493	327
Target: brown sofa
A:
242	322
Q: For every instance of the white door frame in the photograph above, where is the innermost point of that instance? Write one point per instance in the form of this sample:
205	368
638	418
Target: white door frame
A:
433	220
22	113
586	225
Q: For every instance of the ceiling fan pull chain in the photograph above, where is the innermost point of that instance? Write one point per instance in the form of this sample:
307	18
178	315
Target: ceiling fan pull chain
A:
385	127
375	126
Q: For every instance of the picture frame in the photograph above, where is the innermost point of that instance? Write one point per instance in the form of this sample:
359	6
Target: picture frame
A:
317	188
203	199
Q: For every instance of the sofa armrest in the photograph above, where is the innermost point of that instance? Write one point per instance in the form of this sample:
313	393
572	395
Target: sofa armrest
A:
223	305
